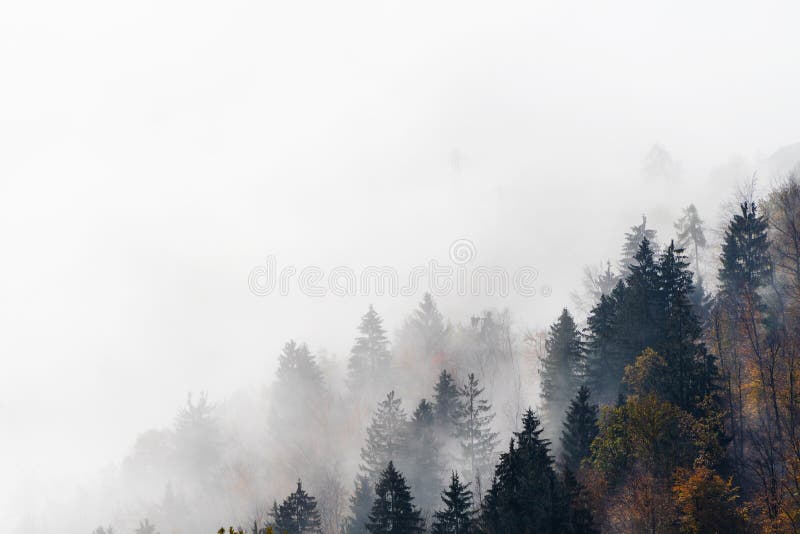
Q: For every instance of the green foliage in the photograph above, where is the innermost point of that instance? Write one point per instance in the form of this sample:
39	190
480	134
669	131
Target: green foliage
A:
474	419
297	514
562	366
393	511
446	401
580	429
457	516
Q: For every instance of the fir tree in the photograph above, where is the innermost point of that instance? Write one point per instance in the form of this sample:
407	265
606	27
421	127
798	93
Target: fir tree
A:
446	402
297	514
633	241
369	357
526	495
386	437
360	506
474	428
690	234
745	253
580	428
423	456
457	516
605	360
562	367
428	323
297	367
393	511
579	517
638	317
145	527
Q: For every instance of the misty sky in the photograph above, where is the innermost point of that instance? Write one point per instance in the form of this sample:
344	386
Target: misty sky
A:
153	153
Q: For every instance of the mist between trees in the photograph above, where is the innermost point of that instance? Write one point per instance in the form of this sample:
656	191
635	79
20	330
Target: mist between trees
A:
669	403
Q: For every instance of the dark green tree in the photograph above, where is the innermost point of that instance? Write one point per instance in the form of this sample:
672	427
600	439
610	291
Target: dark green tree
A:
457	516
579	515
446	402
360	506
474	418
562	366
745	253
393	511
386	437
424	463
297	514
605	360
370	356
580	428
526	495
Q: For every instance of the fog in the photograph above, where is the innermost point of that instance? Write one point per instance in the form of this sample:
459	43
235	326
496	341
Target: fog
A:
153	154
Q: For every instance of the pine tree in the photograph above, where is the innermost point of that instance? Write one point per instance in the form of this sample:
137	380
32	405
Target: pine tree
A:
386	437
198	440
633	241
562	366
297	514
145	527
457	516
393	511
639	317
297	368
690	234
579	519
526	495
424	467
474	429
745	253
370	356
428	323
605	361
446	402
580	428
360	506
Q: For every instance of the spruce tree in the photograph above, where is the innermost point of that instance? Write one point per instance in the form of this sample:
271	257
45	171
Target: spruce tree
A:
370	356
457	516
424	465
562	366
690	234
474	418
745	253
580	428
393	511
633	241
297	368
579	515
526	495
446	402
297	514
639	317
360	506
386	437
605	361
429	324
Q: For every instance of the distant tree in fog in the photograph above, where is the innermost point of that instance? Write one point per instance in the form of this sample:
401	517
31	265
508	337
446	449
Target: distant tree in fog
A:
370	356
430	326
690	235
562	366
386	437
360	506
446	401
145	527
633	239
474	428
423	456
297	514
198	439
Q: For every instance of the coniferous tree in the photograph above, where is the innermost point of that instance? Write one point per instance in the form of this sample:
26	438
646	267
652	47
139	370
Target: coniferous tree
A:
297	514
579	515
474	429
562	367
393	511
370	356
457	516
526	495
424	467
446	402
386	437
745	253
297	367
198	440
360	506
429	324
633	241
580	428
690	234
605	360
145	527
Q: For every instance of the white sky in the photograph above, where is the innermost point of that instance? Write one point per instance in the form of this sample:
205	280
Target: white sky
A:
152	153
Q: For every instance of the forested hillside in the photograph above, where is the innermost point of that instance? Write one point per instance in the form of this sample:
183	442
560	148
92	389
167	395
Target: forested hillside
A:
672	406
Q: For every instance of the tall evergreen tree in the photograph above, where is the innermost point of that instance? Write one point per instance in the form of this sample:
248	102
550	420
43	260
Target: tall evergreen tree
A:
429	324
639	316
424	464
526	496
386	437
579	517
370	356
393	511
360	506
445	402
297	514
457	516
580	428
297	368
633	241
474	429
605	360
745	253
562	366
690	234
